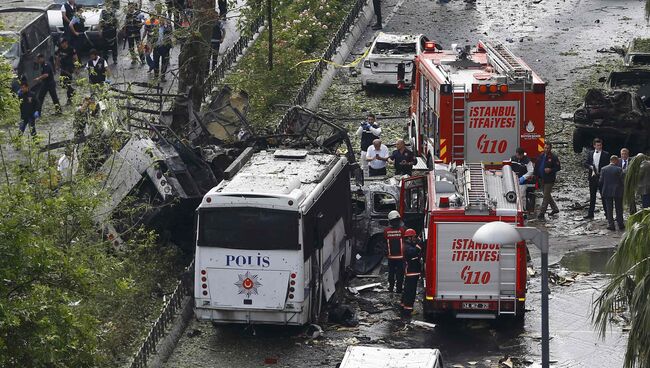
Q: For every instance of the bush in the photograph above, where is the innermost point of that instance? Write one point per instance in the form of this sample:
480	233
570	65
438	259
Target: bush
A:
302	30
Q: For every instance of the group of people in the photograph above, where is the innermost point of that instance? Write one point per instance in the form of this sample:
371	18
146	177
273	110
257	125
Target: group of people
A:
605	175
375	155
404	251
148	36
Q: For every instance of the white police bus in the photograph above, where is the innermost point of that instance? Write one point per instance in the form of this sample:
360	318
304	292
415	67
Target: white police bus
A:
273	239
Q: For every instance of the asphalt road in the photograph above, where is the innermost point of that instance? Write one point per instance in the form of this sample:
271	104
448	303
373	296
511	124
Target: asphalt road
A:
559	39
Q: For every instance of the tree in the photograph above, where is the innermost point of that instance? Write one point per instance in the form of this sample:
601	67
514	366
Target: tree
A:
630	279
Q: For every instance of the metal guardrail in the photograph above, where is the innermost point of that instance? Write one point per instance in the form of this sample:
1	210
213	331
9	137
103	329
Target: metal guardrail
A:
312	81
184	289
227	60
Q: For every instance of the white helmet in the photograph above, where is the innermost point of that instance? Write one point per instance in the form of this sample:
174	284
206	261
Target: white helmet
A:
393	215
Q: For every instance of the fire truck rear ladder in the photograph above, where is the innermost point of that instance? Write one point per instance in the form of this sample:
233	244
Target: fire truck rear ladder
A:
504	61
507	277
459	98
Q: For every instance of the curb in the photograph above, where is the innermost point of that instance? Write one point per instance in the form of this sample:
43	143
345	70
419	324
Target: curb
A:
166	346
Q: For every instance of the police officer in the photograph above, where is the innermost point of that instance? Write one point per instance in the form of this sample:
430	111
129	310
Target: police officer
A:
66	57
218	35
29	107
67	12
48	83
161	40
132	27
77	29
412	253
97	68
369	130
394	235
109	35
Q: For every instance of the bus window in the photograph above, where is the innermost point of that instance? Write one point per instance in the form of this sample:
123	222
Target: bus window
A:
384	203
248	228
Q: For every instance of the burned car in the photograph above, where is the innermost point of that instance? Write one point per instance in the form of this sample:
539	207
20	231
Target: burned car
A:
386	53
619	117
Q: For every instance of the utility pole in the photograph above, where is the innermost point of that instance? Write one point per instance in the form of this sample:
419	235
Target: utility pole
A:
269	15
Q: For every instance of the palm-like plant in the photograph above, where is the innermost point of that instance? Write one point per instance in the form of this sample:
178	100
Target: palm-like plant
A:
630	278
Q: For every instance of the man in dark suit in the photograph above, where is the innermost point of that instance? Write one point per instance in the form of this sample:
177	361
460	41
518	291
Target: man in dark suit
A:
546	167
624	163
594	162
611	190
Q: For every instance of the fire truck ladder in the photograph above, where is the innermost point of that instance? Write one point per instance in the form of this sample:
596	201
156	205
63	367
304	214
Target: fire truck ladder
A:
507	277
476	198
458	101
504	61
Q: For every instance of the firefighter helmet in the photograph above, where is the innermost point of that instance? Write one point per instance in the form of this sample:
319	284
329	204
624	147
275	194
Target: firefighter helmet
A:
393	215
410	232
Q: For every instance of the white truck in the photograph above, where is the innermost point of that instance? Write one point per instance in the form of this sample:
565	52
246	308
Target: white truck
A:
273	238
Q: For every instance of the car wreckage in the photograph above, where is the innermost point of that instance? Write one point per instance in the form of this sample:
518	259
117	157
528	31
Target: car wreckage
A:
159	175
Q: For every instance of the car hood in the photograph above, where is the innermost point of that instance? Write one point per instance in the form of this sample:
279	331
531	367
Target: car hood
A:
92	17
390	58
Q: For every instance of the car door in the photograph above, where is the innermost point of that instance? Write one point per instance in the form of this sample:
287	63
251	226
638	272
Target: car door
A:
413	202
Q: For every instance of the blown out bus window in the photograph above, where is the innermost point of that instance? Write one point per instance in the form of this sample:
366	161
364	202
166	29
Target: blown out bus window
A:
248	228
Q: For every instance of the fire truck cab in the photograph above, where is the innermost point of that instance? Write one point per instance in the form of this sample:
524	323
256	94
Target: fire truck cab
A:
465	279
475	105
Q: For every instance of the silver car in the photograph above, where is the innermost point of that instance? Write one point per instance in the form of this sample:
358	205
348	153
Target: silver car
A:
386	53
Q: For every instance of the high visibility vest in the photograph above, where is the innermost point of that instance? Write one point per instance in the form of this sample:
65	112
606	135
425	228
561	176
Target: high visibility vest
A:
395	242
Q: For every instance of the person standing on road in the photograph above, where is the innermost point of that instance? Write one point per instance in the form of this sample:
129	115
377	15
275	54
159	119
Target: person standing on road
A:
218	35
68	10
376	4
66	58
624	163
97	68
77	29
546	168
394	235
525	168
29	107
368	131
161	39
403	159
132	27
223	8
48	84
377	157
594	162
108	33
412	254
610	182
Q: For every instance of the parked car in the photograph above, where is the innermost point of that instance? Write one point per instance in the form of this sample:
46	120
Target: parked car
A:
26	31
387	52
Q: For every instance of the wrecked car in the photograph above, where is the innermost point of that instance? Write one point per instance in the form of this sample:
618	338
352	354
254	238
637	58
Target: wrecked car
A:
619	117
386	53
638	53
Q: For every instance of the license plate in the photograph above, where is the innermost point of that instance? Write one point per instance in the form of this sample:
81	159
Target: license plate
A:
476	306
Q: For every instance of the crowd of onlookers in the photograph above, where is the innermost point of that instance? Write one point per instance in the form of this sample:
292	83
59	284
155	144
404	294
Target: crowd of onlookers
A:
149	37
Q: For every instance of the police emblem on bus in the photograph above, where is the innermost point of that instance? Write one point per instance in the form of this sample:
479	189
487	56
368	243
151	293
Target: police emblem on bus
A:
248	284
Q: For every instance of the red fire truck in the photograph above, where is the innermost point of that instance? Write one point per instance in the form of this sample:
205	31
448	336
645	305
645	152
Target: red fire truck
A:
463	278
475	105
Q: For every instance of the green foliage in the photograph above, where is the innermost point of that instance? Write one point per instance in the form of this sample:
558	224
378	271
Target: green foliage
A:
630	282
301	30
632	179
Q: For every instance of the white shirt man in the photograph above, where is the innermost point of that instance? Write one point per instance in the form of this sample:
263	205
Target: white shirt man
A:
377	155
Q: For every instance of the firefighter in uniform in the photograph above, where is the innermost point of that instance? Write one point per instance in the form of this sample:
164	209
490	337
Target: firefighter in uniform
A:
394	235
412	253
